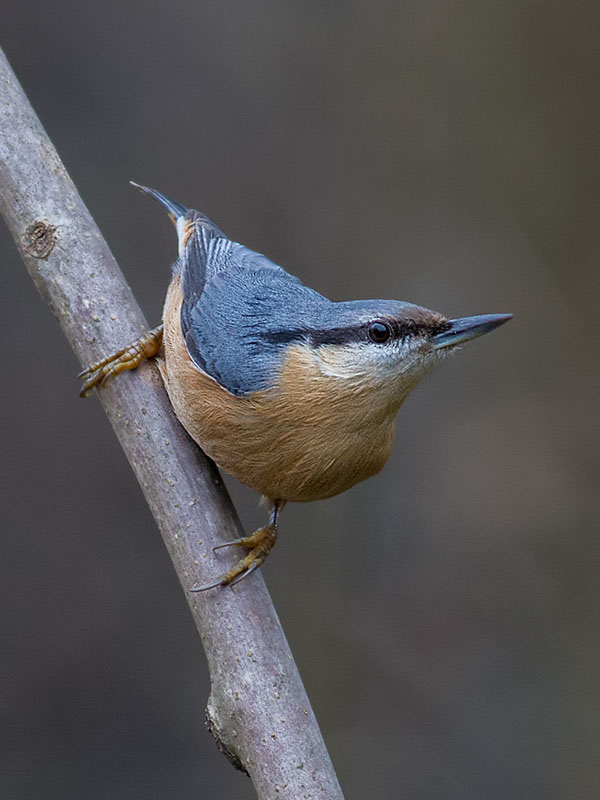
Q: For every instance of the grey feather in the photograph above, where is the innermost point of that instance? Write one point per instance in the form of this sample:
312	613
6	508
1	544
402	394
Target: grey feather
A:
227	329
241	311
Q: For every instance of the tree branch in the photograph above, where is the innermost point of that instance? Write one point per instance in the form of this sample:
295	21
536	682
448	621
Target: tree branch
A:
258	709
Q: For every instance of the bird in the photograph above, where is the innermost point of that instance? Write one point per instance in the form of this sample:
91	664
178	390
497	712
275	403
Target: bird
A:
292	393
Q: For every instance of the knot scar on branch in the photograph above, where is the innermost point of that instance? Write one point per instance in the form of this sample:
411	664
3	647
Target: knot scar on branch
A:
39	239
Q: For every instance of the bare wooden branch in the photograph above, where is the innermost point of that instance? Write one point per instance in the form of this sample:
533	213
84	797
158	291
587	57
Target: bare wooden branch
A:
258	709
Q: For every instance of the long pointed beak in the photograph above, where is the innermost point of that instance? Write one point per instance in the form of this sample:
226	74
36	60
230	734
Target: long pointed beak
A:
175	210
464	329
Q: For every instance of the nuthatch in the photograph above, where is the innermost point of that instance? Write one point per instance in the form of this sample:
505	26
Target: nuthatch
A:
290	392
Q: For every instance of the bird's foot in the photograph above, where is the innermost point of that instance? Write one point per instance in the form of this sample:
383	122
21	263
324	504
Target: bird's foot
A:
128	357
260	544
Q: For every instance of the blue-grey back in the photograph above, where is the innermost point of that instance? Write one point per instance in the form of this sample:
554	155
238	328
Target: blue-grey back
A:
233	298
241	311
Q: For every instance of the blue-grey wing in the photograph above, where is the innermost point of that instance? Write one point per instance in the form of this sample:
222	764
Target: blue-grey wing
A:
207	251
234	301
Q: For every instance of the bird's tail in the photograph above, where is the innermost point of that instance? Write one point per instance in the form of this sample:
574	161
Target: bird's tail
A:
195	231
175	210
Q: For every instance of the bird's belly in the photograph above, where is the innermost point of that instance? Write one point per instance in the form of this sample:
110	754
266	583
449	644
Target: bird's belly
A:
275	441
269	451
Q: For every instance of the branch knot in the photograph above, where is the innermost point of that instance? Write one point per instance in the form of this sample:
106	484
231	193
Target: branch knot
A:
39	239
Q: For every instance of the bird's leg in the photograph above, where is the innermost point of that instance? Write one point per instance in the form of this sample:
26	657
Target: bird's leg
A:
260	544
128	357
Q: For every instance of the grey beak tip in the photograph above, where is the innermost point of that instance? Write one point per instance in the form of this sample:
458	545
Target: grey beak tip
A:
463	329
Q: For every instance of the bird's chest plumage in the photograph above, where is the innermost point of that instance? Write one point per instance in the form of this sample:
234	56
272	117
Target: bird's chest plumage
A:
309	437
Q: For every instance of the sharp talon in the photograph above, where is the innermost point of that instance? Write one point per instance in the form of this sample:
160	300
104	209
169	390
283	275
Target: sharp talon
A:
245	574
213	585
225	580
239	542
88	385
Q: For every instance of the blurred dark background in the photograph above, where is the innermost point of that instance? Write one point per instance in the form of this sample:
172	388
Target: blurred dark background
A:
444	614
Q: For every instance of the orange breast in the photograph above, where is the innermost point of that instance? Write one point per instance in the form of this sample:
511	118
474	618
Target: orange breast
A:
309	437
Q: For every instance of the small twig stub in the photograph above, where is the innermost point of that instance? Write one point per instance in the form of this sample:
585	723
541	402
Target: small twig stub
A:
227	752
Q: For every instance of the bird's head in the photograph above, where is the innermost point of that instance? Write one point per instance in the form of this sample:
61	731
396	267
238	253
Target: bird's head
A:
383	348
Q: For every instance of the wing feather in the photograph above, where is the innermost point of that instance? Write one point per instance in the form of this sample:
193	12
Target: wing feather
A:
232	298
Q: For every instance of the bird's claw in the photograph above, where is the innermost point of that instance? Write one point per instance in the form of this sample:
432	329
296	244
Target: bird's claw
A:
243	542
126	358
260	544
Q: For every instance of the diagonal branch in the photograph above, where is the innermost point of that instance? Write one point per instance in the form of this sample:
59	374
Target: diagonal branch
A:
258	709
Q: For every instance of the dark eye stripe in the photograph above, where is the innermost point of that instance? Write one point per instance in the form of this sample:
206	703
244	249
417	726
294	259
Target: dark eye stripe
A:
353	333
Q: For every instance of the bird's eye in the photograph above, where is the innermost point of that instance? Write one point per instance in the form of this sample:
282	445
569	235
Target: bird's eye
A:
379	332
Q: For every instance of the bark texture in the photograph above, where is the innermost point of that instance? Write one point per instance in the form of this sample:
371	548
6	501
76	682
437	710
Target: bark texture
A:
258	709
